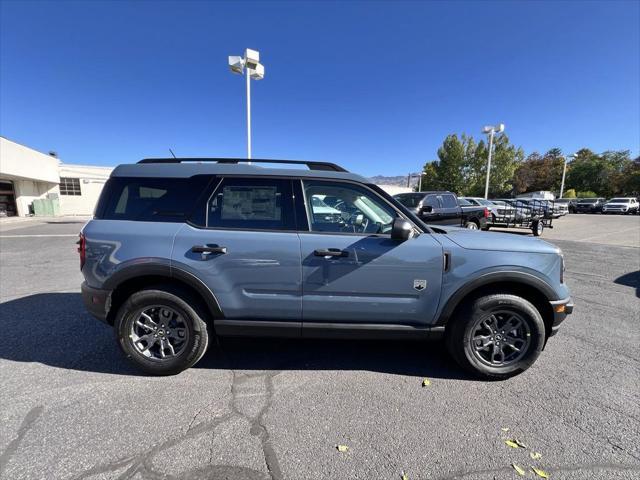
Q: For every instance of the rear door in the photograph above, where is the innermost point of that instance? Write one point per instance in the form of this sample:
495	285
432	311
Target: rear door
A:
242	243
451	213
353	272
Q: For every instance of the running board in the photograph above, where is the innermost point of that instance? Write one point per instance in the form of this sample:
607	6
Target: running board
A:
267	328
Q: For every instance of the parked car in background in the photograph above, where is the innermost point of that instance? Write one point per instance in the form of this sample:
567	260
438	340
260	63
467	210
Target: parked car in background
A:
521	209
499	213
590	205
180	252
443	208
569	202
621	205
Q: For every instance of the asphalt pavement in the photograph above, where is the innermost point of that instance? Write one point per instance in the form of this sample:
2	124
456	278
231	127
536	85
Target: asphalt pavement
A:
71	407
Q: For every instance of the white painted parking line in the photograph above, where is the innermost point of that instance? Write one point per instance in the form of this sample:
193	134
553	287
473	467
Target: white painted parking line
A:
43	235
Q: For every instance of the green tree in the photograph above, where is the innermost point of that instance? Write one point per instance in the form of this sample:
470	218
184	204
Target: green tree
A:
462	166
451	164
604	174
504	162
571	193
631	178
430	179
540	172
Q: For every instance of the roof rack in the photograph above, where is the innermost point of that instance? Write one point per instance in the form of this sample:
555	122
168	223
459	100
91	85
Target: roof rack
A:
326	166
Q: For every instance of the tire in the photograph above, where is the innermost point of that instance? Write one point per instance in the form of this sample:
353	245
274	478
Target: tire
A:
537	227
472	225
469	321
186	317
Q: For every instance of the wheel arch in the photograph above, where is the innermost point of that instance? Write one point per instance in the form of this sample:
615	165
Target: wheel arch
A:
524	285
135	277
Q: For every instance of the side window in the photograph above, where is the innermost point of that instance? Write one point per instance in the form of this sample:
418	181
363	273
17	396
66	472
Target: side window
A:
251	203
431	201
449	201
150	199
346	208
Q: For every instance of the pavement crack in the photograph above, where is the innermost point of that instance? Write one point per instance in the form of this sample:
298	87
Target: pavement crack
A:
28	421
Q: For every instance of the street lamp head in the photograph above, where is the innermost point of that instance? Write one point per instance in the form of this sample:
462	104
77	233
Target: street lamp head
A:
251	58
493	128
257	73
236	64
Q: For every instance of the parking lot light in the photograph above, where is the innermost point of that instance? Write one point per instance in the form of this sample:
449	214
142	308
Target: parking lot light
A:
564	172
250	66
491	131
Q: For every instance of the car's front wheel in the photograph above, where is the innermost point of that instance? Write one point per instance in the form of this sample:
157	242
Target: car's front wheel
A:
162	330
496	336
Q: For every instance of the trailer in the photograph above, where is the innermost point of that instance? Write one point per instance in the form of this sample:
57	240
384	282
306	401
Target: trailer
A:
527	213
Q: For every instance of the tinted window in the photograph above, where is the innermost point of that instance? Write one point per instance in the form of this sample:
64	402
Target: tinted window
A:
464	203
150	199
357	210
431	201
248	203
410	200
449	201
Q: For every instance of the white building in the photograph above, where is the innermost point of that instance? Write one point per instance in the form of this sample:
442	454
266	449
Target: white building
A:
32	182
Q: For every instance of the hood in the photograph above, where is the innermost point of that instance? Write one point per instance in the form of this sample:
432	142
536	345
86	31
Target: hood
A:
495	241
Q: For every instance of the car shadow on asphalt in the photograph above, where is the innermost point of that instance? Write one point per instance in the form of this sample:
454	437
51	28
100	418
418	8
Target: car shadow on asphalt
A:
631	279
54	329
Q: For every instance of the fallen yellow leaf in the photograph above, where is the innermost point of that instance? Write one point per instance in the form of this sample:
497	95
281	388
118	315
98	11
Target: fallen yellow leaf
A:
540	473
342	448
518	469
426	382
504	429
535	455
512	444
519	443
403	476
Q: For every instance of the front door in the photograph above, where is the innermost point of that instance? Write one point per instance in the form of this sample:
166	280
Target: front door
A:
243	245
353	272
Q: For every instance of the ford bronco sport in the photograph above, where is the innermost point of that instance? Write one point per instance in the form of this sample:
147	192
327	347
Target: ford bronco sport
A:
183	249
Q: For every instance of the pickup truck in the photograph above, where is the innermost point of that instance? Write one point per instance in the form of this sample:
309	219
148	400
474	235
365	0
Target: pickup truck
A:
444	208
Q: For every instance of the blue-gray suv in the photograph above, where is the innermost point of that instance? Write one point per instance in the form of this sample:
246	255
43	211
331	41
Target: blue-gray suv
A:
180	250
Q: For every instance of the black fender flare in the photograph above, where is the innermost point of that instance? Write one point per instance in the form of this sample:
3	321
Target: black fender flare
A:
501	276
163	268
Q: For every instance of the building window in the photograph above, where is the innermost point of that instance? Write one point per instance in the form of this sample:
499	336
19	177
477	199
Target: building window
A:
70	186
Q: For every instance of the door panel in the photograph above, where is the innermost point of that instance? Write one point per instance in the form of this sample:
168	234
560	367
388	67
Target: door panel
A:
373	282
257	278
247	251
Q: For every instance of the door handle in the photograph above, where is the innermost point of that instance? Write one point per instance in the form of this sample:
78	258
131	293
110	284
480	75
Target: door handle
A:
330	252
206	250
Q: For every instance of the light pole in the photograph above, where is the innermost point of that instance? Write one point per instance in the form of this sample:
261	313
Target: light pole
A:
564	172
491	130
252	68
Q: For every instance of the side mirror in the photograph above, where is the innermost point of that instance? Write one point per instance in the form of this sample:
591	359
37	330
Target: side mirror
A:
427	209
401	229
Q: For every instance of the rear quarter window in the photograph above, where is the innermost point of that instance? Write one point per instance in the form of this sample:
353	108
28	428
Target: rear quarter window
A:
150	199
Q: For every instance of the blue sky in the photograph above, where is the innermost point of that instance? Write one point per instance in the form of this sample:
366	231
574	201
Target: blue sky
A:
375	86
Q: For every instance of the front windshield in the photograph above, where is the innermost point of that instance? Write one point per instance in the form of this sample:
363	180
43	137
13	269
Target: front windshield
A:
619	200
588	200
482	201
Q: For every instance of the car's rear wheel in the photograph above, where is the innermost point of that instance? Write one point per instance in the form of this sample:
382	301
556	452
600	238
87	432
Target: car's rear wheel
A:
162	330
472	225
496	336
